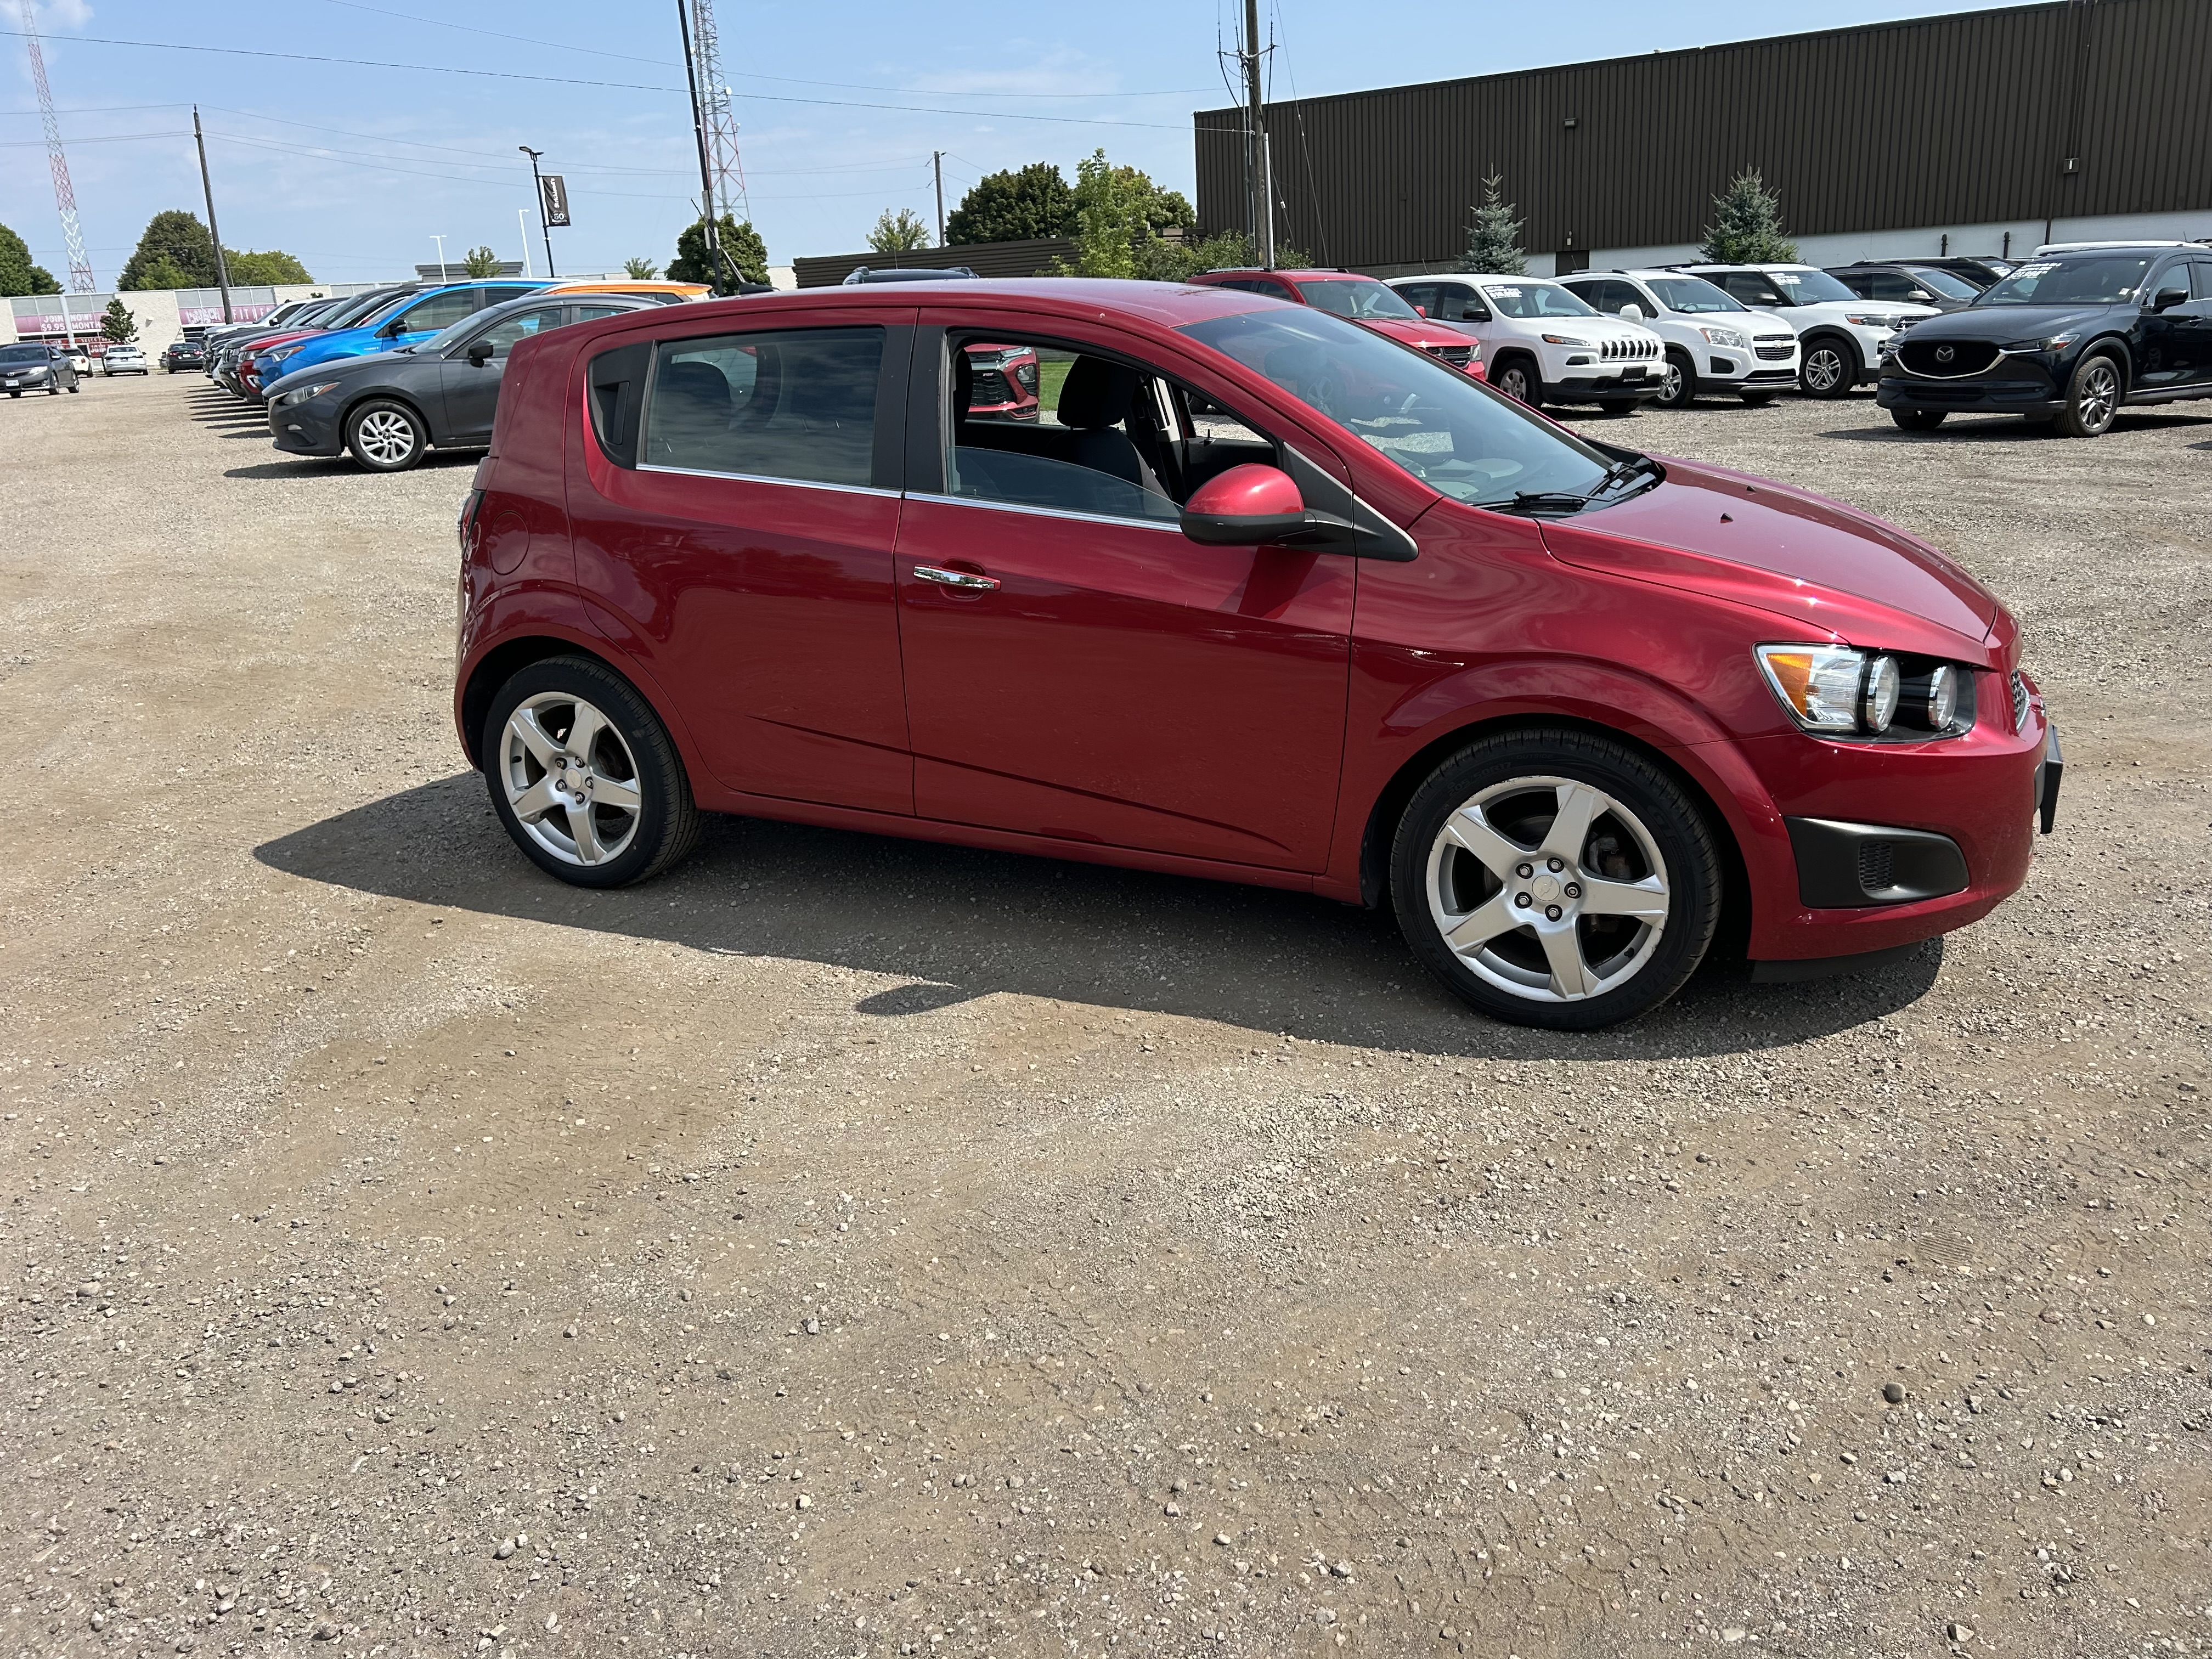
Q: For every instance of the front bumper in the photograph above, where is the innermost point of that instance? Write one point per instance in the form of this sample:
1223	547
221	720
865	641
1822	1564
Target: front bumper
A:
2021	394
307	428
1628	380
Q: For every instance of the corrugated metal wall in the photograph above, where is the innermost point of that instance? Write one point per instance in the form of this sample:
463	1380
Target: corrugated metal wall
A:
1962	119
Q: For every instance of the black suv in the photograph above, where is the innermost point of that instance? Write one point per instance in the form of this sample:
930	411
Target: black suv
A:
2069	337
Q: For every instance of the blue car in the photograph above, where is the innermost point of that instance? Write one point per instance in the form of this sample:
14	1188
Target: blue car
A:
403	322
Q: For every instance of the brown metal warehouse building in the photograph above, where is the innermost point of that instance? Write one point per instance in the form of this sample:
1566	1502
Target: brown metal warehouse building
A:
1981	131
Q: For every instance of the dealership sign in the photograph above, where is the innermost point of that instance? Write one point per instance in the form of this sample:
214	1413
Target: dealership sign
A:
201	316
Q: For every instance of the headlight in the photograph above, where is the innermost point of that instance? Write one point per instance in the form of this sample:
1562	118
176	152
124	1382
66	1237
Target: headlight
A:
1724	336
282	352
1930	698
303	393
2056	342
1565	340
1833	688
1871	321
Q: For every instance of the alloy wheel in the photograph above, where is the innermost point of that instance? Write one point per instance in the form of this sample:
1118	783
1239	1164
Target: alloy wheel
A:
1824	370
1548	889
2099	395
570	779
1670	385
386	436
1514	383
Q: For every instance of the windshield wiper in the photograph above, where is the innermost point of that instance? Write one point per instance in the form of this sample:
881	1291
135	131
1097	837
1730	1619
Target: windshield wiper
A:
1539	501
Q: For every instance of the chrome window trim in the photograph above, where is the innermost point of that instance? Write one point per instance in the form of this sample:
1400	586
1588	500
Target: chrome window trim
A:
763	478
1175	529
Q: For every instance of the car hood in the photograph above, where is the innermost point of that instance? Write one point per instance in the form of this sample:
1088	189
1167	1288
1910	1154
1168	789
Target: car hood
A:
2006	324
1828	568
344	369
1422	334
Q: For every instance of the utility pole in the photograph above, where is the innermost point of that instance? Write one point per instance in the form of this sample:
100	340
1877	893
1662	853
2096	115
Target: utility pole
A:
544	229
441	241
936	165
1255	142
207	190
714	235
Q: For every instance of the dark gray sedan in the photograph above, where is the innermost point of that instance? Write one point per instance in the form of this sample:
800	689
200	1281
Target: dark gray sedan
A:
33	368
390	409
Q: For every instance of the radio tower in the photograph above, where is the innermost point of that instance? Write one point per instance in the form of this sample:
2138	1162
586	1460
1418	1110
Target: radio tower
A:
58	160
728	171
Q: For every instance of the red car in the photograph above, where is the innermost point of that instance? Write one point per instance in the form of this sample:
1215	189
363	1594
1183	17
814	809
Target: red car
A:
1578	715
1366	302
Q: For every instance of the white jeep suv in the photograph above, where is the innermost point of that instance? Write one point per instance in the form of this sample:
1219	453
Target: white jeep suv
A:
1541	343
1840	335
1714	342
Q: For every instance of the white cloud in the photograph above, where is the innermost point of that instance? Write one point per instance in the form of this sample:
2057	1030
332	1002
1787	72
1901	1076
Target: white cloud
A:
62	14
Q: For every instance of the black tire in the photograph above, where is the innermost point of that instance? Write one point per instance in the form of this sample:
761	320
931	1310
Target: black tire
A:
661	829
75	387
1918	420
1519	378
385	435
2094	397
1829	368
1517	778
1756	400
1678	380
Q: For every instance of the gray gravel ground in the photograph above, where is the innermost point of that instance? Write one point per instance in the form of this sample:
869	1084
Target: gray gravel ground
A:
847	1246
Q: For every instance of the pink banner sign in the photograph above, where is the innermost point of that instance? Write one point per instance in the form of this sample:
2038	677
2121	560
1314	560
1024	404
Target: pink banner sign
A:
206	316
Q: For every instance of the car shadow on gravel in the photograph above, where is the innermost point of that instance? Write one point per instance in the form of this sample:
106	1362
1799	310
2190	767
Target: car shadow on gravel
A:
2005	430
299	467
956	923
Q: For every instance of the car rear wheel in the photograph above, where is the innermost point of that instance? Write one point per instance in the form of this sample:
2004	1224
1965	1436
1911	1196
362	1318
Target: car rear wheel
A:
386	436
585	776
2092	402
1518	378
1829	368
1555	878
1918	420
1678	381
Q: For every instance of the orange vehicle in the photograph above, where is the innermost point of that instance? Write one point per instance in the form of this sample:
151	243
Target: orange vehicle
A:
667	293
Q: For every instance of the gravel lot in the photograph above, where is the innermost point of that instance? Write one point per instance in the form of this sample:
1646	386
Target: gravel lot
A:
849	1246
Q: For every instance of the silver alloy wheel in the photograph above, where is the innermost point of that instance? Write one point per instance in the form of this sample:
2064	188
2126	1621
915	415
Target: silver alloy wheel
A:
570	779
386	436
1823	368
1554	912
1670	385
1514	383
2101	393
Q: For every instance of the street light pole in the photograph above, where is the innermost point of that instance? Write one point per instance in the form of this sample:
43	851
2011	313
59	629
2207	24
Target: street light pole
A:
538	184
522	224
441	241
937	166
207	190
714	234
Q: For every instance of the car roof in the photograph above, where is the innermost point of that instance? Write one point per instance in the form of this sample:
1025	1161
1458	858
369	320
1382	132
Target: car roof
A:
1315	273
1169	305
2143	246
626	285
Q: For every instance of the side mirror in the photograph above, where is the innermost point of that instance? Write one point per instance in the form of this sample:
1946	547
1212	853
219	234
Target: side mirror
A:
1633	312
1420	311
2170	297
1252	505
480	354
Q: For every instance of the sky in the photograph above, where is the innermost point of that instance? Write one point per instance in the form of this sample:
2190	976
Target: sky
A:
356	168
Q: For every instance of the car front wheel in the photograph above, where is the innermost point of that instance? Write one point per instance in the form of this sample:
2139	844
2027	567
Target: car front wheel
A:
1678	381
585	776
1555	878
1518	381
1828	370
2092	402
386	436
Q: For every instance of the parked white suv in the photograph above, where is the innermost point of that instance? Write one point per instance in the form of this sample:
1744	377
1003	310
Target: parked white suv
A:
1714	342
1839	335
1541	343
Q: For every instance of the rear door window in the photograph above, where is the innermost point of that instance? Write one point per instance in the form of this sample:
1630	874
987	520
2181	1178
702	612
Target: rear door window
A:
502	338
442	311
798	405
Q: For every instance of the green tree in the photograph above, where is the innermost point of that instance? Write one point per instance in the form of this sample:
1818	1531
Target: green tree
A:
740	242
1160	259
1748	226
898	233
1109	218
272	267
480	261
640	268
179	242
17	274
1014	207
1493	238
117	323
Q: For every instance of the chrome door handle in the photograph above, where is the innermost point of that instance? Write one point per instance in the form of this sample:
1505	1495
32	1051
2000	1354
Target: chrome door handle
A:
963	580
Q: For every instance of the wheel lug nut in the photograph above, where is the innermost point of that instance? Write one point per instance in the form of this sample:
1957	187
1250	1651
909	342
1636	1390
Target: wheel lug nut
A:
1555	864
1525	871
1522	900
1574	890
1552	912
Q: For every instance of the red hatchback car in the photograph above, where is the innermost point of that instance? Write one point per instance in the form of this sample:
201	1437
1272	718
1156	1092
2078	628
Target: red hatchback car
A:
1366	302
1575	713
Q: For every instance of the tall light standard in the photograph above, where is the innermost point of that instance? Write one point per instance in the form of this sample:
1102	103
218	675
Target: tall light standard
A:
544	229
441	241
522	224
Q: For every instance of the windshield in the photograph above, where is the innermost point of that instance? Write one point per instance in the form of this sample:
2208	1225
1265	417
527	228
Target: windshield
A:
1950	287
2107	280
22	353
1356	297
1534	300
1439	424
1809	288
1691	293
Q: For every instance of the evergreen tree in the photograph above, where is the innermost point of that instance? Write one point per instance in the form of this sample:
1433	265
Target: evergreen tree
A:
1494	238
117	323
640	270
900	232
180	243
1748	226
480	261
740	243
249	269
1014	207
17	274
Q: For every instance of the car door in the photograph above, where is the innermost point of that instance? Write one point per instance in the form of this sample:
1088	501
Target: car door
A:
2199	327
743	550
1077	668
2166	346
429	315
468	375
